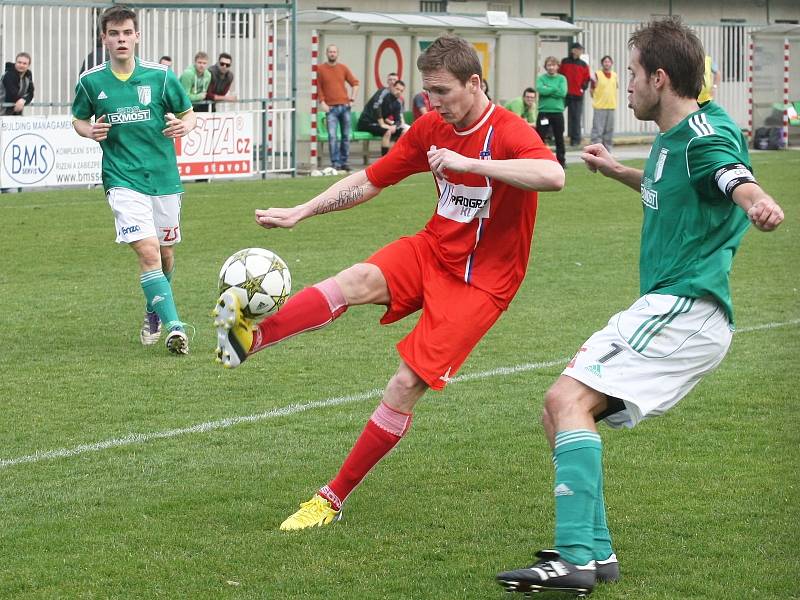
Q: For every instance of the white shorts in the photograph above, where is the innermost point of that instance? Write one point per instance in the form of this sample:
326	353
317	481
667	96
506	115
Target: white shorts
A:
652	354
138	216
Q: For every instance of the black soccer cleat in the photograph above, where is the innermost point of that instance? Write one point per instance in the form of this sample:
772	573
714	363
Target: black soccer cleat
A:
551	573
607	571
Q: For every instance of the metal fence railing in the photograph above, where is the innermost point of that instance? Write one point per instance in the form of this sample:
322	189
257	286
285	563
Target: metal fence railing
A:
725	43
60	37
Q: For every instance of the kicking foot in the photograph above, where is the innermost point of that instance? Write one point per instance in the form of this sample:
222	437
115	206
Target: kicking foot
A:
234	332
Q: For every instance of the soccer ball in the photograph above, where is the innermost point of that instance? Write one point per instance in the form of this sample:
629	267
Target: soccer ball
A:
259	278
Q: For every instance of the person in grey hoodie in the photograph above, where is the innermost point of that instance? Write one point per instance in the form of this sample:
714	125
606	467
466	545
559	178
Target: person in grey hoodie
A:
17	85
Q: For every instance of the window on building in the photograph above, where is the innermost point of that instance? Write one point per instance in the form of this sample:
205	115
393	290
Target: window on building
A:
554	15
733	61
234	24
433	6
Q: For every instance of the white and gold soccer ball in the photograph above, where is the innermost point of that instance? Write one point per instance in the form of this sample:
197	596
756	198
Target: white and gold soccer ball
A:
259	278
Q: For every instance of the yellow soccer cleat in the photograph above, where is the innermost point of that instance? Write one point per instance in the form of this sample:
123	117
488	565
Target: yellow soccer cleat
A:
314	513
234	331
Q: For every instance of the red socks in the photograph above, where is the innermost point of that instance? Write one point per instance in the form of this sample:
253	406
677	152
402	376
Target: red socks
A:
383	431
310	308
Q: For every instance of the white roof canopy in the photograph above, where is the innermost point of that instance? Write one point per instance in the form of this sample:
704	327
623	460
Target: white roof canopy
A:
378	20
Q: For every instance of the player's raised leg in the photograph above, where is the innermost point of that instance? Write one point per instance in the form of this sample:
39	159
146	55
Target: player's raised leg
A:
309	309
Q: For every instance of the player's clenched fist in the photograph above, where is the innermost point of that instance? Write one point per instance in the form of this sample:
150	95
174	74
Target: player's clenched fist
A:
765	214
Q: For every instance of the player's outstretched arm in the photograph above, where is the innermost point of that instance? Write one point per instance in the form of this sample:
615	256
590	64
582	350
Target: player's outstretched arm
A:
597	158
345	193
764	213
523	173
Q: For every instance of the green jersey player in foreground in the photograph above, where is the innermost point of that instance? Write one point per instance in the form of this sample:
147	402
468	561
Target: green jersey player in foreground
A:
698	194
135	103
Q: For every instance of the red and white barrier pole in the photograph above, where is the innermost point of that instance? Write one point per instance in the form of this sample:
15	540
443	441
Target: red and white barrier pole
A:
785	92
750	132
270	85
314	98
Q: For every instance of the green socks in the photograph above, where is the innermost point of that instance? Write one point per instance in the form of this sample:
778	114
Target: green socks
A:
578	460
168	275
158	292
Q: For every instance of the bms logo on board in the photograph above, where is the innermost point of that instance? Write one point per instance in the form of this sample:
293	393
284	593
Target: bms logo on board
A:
28	158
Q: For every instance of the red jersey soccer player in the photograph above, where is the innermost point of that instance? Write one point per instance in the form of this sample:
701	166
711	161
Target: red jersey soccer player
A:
462	269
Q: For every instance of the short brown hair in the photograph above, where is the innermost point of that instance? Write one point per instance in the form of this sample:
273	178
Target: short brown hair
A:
670	45
23	55
453	54
118	14
551	59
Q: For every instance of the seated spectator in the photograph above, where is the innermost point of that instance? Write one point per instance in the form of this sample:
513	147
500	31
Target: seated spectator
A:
195	80
525	106
420	104
221	81
165	60
385	120
17	85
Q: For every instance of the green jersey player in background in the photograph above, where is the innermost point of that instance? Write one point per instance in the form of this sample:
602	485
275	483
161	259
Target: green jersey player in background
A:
699	196
135	104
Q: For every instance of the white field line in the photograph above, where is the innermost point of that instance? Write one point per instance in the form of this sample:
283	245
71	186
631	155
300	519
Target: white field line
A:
291	409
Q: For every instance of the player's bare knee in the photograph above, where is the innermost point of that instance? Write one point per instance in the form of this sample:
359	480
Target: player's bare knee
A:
559	401
363	283
404	389
148	255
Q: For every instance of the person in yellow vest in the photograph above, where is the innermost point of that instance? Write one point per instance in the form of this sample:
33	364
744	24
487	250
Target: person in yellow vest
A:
711	78
605	84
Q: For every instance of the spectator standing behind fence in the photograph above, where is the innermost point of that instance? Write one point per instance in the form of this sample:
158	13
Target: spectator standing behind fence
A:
711	79
17	85
385	119
195	80
95	57
525	106
578	76
605	85
336	102
221	81
552	88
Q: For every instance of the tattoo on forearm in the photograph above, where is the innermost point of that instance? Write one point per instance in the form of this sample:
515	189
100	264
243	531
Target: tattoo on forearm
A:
345	199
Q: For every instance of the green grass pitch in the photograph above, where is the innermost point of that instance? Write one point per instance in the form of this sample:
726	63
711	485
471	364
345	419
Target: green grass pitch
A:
126	472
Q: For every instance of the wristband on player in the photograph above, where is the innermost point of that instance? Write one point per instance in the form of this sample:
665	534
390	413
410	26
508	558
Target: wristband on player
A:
729	177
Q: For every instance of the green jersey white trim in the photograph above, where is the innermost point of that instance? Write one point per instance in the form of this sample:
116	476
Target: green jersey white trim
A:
691	229
136	155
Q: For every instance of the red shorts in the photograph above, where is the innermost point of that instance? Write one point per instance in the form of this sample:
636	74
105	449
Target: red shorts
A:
455	315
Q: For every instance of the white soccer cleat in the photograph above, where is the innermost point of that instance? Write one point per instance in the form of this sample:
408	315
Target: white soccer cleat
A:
150	332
